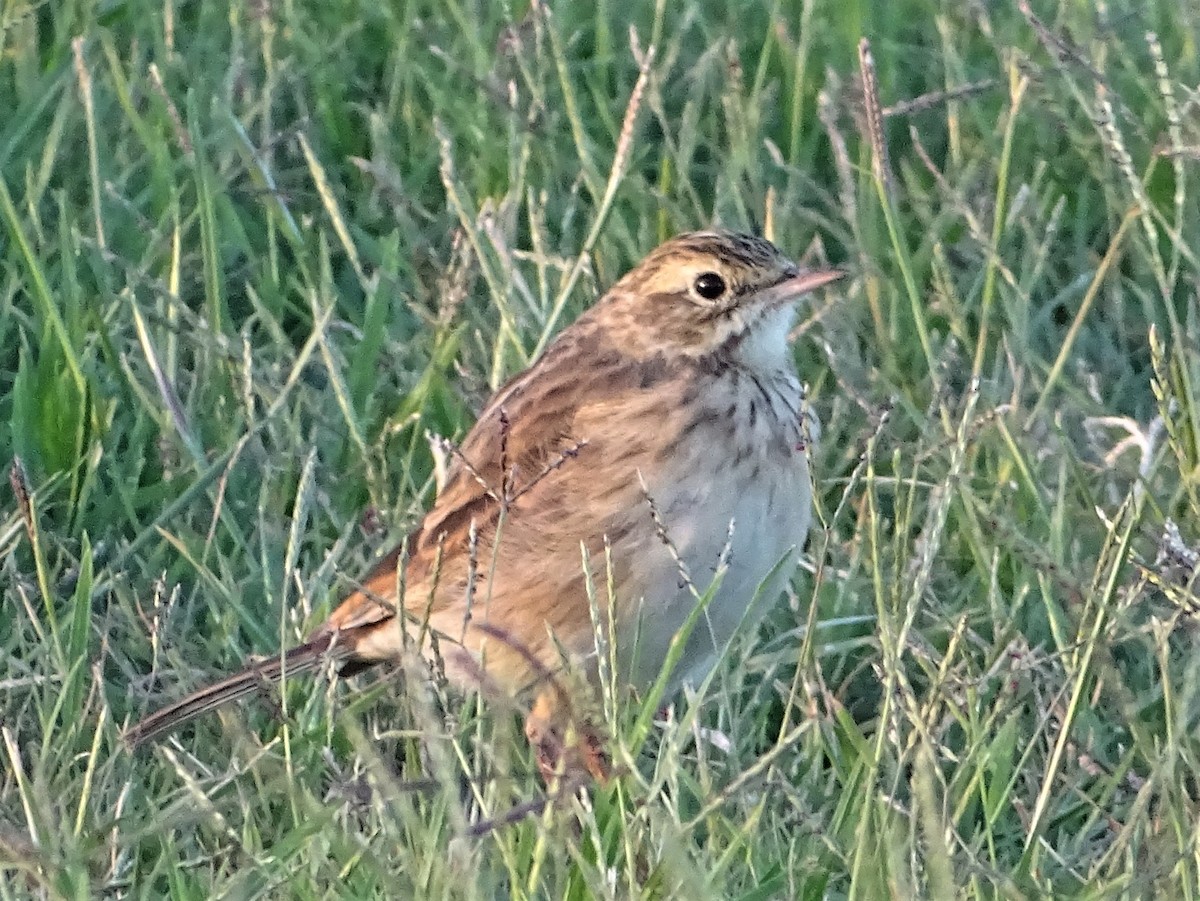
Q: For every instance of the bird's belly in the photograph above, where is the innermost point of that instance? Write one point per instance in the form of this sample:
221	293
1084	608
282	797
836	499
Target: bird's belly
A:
768	501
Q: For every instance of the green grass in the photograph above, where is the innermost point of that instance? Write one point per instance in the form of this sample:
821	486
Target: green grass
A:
249	256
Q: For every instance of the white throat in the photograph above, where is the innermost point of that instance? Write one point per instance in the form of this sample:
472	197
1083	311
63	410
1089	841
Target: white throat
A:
764	347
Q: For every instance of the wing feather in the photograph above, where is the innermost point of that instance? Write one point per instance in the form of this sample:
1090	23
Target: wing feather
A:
526	430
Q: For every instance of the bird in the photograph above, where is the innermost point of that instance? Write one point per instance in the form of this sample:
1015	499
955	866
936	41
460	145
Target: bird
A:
659	440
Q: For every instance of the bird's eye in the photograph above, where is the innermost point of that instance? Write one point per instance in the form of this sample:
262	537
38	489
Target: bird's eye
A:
709	285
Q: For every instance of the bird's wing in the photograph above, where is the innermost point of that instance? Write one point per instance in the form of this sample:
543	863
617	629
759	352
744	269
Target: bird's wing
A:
524	433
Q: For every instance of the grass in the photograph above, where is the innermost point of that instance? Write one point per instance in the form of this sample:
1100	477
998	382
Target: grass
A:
249	255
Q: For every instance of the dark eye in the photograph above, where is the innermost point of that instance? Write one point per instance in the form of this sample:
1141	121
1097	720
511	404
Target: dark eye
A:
709	285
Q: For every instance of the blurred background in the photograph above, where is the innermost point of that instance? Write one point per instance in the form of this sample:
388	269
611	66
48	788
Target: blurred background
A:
252	253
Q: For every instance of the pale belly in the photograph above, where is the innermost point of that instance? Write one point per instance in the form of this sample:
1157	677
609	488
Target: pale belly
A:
767	498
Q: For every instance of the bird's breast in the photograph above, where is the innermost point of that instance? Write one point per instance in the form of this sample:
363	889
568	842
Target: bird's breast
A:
733	501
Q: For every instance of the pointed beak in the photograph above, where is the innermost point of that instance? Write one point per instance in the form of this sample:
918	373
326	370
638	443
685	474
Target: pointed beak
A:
798	285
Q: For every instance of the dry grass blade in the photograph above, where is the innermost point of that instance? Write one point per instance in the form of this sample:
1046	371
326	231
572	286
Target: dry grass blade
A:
937	98
873	113
616	174
19	482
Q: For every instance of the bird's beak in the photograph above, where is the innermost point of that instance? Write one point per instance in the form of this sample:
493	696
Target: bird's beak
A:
798	285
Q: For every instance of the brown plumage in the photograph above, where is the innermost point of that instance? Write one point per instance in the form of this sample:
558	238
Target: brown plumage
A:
676	391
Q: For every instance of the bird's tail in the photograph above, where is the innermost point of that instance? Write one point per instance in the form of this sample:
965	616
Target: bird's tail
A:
302	659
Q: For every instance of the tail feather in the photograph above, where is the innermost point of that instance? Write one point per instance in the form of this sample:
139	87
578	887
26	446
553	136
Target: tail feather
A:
302	659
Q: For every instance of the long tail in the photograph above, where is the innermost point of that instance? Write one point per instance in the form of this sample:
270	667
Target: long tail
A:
302	659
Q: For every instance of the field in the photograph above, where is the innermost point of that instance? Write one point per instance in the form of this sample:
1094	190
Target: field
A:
252	254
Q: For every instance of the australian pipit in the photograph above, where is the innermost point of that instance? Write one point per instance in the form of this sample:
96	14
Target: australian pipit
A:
660	434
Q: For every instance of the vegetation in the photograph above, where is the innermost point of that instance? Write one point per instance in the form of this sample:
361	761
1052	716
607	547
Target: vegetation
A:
251	253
